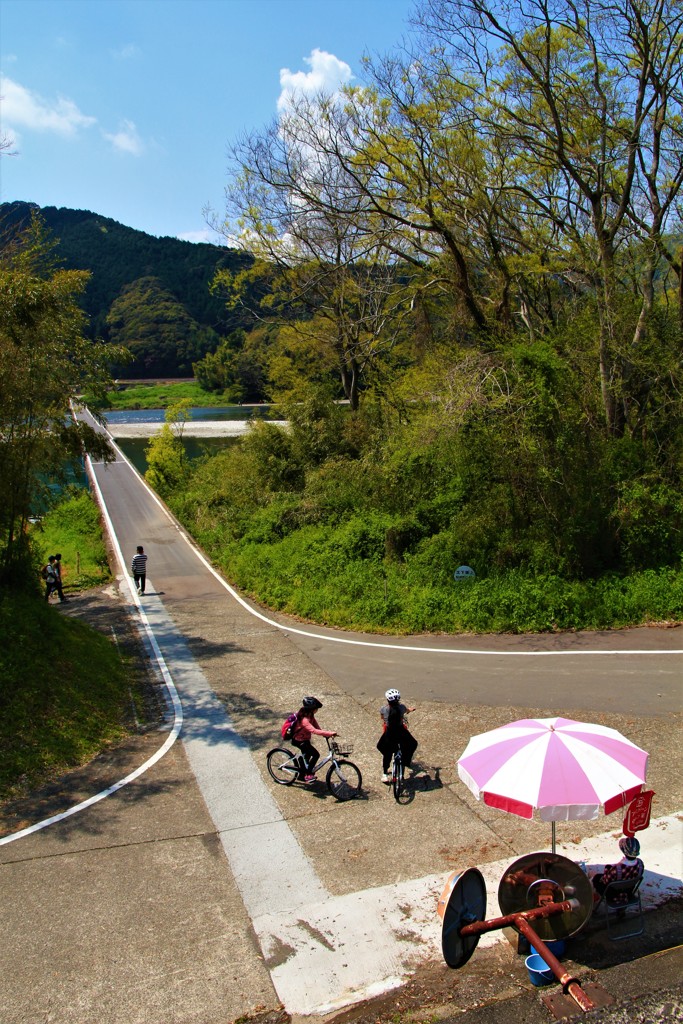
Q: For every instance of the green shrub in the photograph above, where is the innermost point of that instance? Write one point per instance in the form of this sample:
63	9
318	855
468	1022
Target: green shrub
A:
274	458
650	524
73	528
273	521
362	538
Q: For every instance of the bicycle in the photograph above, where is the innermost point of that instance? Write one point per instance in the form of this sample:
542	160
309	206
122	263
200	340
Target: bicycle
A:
397	774
343	778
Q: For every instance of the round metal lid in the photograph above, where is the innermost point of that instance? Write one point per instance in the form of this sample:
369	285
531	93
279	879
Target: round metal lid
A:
462	902
540	878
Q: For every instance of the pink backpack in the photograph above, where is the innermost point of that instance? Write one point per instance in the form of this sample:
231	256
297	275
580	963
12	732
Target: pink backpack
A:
287	729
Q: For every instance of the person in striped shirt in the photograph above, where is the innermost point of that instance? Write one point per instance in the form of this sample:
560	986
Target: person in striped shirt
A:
138	568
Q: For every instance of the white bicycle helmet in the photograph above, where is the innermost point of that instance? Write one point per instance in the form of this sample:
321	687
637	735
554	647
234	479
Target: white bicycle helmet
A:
392	695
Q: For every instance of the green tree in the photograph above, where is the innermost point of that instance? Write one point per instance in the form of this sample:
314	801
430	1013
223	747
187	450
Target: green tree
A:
168	466
157	329
45	364
299	209
585	101
235	368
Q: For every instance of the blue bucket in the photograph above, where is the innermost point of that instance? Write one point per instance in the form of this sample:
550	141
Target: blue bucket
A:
556	947
539	972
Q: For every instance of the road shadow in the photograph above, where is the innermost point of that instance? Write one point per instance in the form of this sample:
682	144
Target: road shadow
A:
73	787
174	646
236	718
592	948
420	779
321	792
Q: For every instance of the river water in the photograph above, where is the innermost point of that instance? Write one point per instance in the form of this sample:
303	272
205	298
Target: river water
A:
217	413
208	430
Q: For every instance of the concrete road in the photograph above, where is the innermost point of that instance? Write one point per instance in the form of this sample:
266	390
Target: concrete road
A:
142	907
637	671
125	913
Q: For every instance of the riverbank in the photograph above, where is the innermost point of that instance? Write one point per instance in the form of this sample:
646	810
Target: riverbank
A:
193	428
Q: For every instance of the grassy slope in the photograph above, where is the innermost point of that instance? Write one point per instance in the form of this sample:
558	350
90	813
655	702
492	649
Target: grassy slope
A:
160	396
73	530
64	693
64	688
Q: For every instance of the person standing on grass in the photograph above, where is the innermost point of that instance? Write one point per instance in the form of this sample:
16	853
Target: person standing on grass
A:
57	566
138	568
50	577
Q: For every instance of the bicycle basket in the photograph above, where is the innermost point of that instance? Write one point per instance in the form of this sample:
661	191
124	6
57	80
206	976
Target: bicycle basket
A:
341	748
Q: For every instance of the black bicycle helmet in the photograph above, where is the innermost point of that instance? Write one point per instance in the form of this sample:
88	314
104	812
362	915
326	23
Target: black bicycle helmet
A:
311	704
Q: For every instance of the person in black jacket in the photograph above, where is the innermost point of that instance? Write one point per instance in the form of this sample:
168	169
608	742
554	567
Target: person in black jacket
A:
395	733
57	566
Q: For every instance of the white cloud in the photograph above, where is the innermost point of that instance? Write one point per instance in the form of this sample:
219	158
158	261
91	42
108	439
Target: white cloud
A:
197	236
208	234
126	139
23	108
327	75
131	51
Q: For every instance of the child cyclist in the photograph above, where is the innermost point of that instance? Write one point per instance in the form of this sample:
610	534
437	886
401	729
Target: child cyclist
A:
305	727
395	733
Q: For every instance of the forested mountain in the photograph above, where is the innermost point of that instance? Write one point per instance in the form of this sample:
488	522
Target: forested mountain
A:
120	297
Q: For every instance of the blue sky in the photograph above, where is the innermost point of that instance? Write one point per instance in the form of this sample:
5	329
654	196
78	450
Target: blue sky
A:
127	107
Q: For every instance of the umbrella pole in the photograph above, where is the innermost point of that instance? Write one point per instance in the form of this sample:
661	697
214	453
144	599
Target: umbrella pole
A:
553	824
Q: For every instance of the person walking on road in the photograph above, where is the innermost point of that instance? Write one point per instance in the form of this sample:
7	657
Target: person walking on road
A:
305	727
138	568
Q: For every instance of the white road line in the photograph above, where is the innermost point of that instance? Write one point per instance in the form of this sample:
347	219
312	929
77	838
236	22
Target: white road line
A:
269	866
98	796
348	640
168	681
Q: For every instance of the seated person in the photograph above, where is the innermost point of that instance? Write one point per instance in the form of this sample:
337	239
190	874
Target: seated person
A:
629	867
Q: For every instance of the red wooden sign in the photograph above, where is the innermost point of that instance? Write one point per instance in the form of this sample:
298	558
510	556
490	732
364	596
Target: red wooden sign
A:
638	813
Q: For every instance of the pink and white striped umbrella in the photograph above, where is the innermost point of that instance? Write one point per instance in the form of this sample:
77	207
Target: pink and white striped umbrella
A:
565	770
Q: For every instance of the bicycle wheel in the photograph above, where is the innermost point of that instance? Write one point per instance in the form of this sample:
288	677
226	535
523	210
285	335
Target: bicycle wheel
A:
344	780
397	778
281	766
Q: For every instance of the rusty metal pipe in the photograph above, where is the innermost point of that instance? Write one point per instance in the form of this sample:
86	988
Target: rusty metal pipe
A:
520	921
569	984
479	927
